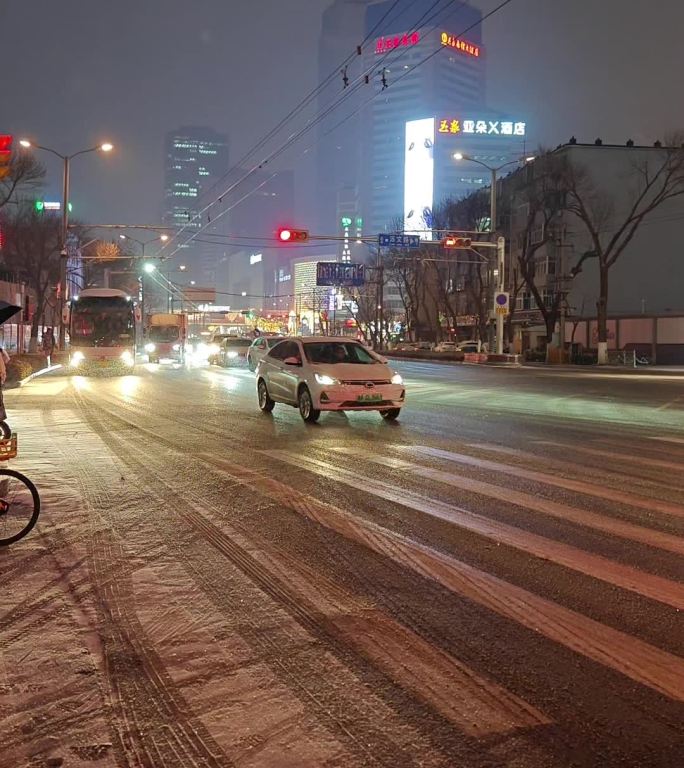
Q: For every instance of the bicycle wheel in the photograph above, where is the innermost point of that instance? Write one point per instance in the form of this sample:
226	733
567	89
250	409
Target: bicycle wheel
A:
19	506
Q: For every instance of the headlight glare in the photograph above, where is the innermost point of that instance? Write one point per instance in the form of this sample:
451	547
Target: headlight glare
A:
324	380
396	379
150	347
232	354
127	358
77	358
176	347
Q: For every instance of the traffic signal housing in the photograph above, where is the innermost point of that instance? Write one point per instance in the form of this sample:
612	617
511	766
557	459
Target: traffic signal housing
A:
290	235
452	241
5	154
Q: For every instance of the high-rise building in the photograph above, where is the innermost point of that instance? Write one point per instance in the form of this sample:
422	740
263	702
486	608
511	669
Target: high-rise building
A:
417	72
195	158
251	262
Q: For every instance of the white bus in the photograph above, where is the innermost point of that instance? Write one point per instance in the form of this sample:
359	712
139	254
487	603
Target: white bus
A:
102	330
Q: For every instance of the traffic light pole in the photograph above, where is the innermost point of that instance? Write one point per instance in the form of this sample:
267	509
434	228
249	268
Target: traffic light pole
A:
500	254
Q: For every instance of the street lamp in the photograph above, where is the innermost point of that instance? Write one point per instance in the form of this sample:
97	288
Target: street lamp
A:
499	271
66	159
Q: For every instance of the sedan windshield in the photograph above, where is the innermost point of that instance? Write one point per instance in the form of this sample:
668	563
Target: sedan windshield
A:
331	352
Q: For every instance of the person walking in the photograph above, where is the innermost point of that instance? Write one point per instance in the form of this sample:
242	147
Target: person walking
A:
48	345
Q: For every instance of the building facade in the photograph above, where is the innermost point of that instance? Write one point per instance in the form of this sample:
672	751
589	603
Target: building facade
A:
645	281
195	158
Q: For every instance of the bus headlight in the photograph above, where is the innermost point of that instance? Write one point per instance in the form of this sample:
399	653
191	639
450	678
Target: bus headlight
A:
127	358
76	359
150	347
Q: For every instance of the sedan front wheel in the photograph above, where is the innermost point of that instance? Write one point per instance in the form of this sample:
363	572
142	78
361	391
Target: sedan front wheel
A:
265	402
306	409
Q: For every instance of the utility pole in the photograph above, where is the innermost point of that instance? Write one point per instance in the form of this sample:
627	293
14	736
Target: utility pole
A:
501	262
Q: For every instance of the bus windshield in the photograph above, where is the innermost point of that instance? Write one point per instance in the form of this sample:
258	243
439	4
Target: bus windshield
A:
102	322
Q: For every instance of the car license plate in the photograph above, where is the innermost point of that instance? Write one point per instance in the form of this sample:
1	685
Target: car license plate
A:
376	398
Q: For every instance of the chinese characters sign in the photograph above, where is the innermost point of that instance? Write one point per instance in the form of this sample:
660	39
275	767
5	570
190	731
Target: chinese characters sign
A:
384	44
339	273
481	127
463	46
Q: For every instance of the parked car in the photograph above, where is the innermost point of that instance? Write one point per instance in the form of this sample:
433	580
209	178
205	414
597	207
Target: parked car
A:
260	346
320	373
471	345
446	346
233	350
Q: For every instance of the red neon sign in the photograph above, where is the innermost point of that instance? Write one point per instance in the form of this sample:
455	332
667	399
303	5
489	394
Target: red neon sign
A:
384	44
470	49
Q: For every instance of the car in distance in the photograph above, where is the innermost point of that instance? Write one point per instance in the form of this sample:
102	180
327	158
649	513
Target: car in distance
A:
233	350
446	346
328	373
260	346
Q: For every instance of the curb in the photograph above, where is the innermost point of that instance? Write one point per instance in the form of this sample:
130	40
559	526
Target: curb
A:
41	372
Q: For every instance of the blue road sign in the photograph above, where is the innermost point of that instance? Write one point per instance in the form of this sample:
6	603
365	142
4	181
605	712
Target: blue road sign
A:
389	240
339	273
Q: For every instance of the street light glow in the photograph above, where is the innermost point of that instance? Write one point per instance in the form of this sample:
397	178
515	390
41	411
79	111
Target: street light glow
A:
106	147
25	143
529	159
182	267
163	238
459	156
123	237
149	268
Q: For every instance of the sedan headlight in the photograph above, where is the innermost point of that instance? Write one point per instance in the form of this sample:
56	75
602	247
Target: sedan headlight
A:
127	358
150	347
77	358
176	347
232	354
396	379
325	380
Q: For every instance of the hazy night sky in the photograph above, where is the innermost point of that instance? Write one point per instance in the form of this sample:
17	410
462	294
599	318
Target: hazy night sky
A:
81	71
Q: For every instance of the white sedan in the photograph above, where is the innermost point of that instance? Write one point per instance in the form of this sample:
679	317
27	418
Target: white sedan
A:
320	373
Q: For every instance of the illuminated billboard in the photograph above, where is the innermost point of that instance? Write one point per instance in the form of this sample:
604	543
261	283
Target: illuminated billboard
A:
459	44
478	126
384	44
419	176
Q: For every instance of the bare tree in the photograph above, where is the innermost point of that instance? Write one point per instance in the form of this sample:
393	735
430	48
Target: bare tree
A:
538	193
653	181
25	174
31	251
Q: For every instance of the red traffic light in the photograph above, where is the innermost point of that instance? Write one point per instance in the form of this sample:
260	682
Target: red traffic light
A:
5	154
451	241
288	235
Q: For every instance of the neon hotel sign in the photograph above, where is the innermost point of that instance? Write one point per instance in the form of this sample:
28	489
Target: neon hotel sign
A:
389	43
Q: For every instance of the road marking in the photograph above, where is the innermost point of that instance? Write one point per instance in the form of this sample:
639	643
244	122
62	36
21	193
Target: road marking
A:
678	440
625	530
632	579
634	658
639	460
581	486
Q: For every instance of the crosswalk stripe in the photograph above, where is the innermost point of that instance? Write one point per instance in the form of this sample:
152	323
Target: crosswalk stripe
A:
654	587
640	460
630	531
634	658
581	486
678	440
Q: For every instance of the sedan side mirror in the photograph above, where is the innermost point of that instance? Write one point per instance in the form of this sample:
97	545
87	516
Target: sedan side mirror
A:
292	361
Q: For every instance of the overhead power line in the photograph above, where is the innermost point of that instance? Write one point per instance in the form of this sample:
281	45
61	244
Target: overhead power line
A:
295	137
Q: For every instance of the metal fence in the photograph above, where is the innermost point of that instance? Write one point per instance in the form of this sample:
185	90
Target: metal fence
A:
622	357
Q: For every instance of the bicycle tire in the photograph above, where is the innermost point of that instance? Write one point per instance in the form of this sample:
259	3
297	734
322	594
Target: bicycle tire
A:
5	430
4	541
